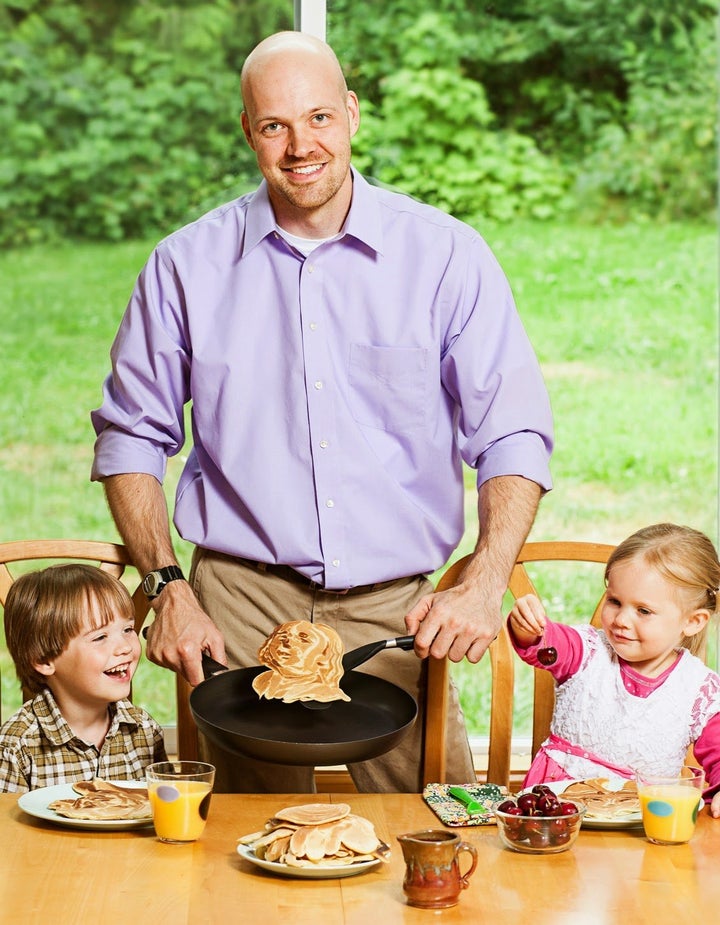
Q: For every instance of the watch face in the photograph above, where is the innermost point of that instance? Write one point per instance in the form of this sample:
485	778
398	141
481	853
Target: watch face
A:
154	582
151	582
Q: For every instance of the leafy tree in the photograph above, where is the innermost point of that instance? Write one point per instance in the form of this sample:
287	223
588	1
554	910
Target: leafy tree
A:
611	87
433	135
120	119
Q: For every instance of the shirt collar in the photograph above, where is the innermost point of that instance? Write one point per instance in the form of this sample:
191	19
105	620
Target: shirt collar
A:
56	728
362	222
122	713
260	219
53	724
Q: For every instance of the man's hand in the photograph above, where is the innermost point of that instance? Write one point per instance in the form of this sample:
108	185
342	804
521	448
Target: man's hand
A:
181	632
460	622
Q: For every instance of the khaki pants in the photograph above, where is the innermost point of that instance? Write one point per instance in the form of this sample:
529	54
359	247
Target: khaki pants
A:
247	604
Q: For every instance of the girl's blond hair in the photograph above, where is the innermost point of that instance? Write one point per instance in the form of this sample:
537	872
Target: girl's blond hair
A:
45	609
683	556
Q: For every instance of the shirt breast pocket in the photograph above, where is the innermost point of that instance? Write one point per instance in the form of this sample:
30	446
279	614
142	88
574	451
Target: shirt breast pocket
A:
389	386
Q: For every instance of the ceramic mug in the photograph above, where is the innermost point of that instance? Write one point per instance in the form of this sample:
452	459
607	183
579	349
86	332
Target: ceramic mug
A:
432	867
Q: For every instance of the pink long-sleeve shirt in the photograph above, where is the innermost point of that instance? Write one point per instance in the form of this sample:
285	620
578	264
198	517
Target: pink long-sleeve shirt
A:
569	646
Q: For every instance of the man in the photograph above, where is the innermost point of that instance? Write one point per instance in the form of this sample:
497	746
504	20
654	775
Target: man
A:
344	349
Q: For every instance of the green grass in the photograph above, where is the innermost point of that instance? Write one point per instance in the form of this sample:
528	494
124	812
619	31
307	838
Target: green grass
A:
624	320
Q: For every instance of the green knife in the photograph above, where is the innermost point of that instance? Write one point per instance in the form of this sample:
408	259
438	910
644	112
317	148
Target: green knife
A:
472	807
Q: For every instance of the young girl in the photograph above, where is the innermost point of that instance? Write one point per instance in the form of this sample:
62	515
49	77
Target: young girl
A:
633	696
70	631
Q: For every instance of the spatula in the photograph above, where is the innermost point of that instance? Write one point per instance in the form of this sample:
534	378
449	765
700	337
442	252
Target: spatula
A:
472	806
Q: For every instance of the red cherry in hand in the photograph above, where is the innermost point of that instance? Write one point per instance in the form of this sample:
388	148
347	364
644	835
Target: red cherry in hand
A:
547	656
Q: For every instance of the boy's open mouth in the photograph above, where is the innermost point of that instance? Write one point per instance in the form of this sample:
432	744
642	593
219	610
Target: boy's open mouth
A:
119	671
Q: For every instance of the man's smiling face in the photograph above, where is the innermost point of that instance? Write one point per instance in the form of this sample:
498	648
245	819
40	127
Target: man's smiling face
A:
299	120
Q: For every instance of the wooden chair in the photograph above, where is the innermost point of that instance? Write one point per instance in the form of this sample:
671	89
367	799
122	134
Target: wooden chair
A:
520	583
502	660
110	557
501	705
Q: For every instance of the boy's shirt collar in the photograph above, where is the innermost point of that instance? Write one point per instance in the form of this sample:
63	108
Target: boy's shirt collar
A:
57	729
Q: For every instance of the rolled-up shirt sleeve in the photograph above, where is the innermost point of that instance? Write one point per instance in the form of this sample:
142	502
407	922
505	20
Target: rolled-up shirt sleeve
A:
141	421
505	422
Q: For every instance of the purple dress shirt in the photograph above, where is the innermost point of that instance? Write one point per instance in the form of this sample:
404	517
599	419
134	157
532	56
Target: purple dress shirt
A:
334	397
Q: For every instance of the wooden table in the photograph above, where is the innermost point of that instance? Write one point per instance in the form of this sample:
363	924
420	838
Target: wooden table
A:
67	876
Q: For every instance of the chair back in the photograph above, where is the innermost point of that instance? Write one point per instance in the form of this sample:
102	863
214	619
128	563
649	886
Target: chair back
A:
502	668
521	583
110	557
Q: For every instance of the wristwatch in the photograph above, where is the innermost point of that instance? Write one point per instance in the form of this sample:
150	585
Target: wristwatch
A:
154	582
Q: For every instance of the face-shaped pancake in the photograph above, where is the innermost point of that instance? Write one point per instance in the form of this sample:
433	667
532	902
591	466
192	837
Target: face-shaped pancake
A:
305	662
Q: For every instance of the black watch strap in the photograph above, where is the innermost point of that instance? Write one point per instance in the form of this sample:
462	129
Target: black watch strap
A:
155	581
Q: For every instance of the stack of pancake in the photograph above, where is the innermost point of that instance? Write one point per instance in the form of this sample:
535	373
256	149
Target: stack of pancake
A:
605	799
103	800
317	835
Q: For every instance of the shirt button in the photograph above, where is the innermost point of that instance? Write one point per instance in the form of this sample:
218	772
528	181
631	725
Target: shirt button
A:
329	503
313	326
336	562
318	384
324	444
310	268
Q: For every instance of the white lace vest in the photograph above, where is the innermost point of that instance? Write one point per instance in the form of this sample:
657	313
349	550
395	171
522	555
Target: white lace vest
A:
594	710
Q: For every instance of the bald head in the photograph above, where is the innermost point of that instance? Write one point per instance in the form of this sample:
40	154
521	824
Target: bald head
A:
299	118
306	50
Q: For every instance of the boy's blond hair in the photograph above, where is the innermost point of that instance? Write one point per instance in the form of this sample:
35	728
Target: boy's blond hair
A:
45	609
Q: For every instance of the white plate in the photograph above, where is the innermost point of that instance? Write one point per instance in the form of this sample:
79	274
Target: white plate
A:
630	821
36	803
309	873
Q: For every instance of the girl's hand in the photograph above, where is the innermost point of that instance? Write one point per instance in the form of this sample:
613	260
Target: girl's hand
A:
715	806
527	620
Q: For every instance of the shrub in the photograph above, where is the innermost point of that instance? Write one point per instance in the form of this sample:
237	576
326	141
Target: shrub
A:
434	136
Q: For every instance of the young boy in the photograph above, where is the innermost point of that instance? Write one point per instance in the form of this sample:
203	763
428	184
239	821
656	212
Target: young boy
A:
71	634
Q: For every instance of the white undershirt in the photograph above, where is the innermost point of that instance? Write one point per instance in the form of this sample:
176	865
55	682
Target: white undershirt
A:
305	245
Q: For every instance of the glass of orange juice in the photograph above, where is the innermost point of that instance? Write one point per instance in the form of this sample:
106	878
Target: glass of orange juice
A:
179	793
670	805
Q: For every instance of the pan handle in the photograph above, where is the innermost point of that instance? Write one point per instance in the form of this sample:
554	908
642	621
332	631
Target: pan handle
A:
210	667
356	657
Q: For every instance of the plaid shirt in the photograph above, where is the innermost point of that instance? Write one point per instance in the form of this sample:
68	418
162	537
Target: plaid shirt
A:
39	749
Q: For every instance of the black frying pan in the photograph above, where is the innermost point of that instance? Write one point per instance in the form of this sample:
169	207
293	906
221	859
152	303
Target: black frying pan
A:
232	716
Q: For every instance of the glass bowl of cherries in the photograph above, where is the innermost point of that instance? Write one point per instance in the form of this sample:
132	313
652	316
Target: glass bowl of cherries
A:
537	822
